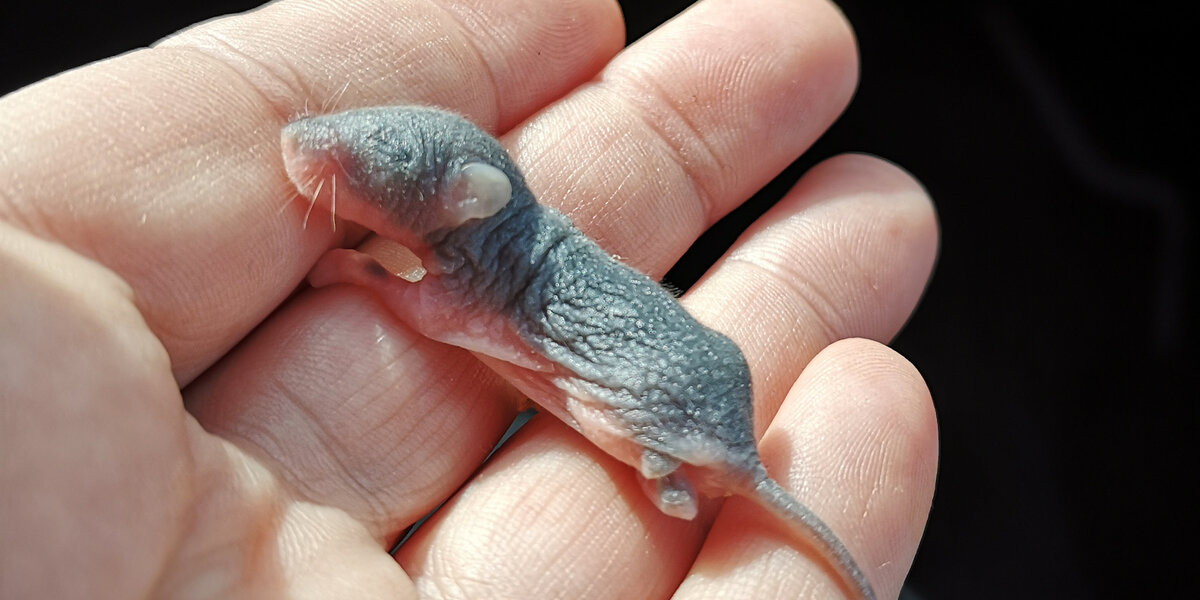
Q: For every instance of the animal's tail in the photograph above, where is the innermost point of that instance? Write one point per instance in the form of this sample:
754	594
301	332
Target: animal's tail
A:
813	529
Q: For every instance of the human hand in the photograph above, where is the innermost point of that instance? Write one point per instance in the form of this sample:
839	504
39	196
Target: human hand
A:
176	422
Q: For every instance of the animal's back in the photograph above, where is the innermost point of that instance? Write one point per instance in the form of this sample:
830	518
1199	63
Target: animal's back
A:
681	388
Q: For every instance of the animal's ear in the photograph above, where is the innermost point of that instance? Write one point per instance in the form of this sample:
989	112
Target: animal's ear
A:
479	191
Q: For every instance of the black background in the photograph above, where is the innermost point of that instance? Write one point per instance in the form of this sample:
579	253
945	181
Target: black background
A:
1058	142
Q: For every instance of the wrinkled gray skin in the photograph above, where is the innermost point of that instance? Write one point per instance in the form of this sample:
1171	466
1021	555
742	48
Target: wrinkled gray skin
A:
682	389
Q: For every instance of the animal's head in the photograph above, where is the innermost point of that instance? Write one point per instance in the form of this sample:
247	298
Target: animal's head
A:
401	171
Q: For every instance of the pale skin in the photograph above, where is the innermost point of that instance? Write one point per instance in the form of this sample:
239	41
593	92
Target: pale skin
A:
177	423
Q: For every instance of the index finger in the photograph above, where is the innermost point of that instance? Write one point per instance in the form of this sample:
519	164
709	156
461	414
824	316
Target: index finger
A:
163	164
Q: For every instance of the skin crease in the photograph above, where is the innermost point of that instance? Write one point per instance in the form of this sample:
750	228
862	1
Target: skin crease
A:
147	260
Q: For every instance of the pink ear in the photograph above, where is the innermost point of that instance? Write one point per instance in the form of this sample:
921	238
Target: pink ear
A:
479	191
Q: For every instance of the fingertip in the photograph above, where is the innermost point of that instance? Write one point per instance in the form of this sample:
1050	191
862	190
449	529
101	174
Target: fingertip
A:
862	229
864	448
858	174
869	380
895	224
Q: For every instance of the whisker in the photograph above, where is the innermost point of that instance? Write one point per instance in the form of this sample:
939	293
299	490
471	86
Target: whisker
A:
296	193
335	98
308	183
288	202
333	202
311	204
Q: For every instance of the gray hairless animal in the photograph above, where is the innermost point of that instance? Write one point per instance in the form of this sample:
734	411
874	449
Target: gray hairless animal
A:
601	346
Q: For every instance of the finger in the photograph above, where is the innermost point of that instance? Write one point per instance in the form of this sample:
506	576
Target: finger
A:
850	211
856	441
687	123
163	164
551	516
75	357
847	253
355	410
